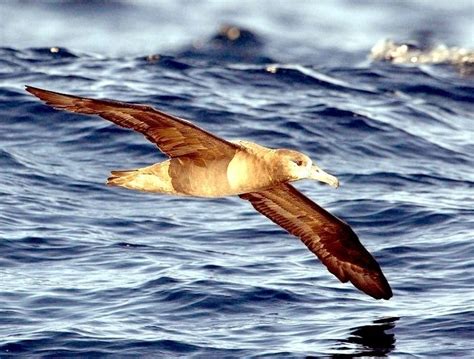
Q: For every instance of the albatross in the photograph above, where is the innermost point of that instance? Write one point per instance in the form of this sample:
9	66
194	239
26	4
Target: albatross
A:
204	165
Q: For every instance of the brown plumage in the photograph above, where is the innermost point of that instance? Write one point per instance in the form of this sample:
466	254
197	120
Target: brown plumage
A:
174	136
331	239
202	164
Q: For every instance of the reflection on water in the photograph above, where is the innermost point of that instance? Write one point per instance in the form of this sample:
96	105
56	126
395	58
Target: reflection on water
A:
370	340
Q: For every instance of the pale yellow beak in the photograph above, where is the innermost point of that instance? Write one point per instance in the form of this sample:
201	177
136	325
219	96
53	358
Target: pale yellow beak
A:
318	174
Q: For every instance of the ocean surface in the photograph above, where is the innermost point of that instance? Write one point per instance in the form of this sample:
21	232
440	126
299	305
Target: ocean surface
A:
88	270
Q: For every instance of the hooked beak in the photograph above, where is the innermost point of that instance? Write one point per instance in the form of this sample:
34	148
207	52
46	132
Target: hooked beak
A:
318	174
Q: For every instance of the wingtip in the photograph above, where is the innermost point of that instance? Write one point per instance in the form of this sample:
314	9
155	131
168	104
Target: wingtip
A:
33	90
386	295
54	99
378	288
372	283
385	289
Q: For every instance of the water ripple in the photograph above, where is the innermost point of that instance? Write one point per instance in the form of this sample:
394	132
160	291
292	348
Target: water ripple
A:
88	270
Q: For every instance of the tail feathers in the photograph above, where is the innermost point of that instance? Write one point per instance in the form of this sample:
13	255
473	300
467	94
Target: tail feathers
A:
142	179
119	178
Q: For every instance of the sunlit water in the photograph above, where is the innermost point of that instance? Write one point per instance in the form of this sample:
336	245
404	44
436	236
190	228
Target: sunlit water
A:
86	269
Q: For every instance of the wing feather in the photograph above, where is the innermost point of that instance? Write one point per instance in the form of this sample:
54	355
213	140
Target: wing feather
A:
332	240
174	136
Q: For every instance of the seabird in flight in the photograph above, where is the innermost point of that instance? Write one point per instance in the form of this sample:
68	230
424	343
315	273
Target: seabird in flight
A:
204	165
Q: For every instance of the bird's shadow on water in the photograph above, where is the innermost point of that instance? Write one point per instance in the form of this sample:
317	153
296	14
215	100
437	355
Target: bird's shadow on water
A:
370	340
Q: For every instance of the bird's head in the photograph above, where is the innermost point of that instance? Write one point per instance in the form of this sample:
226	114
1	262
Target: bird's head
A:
299	166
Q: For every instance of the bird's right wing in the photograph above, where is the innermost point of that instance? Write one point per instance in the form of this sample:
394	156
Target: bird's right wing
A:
174	136
331	239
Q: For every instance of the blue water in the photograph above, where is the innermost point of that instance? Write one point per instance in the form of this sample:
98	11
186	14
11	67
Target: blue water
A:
89	270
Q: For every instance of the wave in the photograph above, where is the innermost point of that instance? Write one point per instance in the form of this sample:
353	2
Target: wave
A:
414	54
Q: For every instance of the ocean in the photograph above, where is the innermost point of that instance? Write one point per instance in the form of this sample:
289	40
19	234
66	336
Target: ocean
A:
380	94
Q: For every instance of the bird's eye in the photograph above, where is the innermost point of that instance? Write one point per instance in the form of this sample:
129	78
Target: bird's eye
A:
298	162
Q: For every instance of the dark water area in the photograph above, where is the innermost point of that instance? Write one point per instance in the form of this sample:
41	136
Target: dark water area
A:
88	270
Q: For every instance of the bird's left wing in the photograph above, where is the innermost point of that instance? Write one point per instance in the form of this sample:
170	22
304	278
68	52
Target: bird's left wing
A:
174	136
331	239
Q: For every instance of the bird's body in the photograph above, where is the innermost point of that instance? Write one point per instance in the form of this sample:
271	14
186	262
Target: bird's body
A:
229	175
204	165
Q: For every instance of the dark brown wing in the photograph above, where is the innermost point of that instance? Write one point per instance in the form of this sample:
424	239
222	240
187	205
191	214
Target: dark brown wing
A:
174	136
332	240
